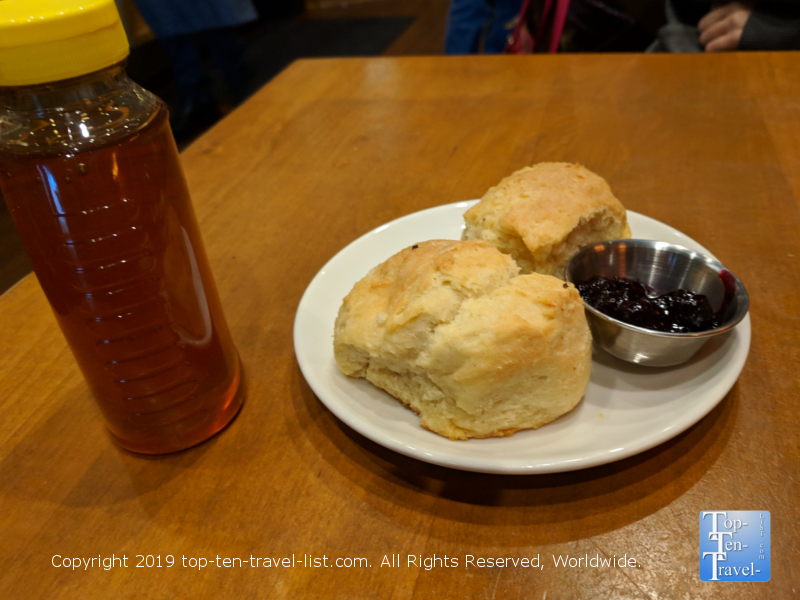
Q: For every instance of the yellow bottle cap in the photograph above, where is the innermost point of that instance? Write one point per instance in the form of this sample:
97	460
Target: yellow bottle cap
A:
50	40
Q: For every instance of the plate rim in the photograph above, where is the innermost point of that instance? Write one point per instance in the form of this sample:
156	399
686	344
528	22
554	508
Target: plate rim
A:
489	465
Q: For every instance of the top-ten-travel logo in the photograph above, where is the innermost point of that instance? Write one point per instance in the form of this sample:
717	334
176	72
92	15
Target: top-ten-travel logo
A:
734	545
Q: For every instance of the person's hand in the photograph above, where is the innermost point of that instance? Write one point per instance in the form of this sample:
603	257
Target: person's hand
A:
721	29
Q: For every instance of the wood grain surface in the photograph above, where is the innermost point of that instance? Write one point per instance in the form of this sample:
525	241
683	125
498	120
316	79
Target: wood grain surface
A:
326	152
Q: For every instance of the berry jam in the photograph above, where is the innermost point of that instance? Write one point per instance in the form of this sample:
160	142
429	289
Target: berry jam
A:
635	303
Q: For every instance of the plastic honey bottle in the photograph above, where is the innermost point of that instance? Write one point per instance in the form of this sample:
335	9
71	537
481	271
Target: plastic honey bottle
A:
92	179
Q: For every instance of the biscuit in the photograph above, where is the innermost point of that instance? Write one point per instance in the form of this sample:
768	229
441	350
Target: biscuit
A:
542	215
450	330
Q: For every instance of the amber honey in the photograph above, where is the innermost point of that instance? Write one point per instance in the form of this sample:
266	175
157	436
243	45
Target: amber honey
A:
115	245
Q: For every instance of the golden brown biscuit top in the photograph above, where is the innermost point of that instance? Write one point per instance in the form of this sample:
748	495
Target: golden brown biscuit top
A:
544	202
418	288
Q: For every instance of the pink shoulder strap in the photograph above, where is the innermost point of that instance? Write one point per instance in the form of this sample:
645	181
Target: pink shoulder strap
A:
560	17
521	40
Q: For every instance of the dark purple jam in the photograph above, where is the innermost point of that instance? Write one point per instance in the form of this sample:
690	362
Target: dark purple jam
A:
635	303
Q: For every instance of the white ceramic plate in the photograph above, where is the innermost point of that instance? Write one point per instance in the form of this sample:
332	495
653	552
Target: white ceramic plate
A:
627	409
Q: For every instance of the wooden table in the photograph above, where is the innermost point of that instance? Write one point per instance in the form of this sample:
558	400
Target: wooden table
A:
328	151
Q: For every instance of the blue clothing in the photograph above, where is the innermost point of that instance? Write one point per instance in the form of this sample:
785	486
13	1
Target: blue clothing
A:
470	21
171	18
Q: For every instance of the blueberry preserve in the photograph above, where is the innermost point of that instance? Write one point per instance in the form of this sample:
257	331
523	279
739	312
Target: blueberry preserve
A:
679	311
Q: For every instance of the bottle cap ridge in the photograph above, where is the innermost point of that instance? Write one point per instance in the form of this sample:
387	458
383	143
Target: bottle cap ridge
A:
51	40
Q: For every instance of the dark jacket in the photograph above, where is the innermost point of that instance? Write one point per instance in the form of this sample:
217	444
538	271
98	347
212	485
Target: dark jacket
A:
772	25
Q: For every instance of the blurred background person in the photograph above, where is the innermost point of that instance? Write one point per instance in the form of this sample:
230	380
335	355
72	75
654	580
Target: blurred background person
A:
475	26
183	27
694	26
